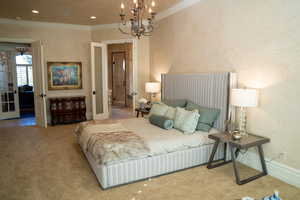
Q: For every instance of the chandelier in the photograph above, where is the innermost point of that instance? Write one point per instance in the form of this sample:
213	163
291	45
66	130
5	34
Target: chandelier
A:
141	16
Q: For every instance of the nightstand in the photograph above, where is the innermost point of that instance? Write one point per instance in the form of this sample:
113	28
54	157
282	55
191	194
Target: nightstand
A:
143	111
235	146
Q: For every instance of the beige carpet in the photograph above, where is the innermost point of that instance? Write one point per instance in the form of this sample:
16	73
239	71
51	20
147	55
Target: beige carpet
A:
42	164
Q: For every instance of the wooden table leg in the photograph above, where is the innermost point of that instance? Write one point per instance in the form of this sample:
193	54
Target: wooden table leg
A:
262	159
236	172
210	164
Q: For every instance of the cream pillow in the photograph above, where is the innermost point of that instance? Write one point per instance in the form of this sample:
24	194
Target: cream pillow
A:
186	121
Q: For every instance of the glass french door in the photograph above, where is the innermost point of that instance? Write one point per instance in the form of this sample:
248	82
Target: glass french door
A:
99	80
9	100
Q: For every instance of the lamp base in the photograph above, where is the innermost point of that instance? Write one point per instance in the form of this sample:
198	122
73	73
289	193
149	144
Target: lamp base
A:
243	122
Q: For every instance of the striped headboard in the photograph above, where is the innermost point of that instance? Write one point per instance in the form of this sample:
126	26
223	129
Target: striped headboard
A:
207	89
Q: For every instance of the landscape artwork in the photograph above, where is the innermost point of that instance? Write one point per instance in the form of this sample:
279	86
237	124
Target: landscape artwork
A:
64	75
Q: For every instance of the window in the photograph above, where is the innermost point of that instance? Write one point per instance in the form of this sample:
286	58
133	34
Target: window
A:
24	70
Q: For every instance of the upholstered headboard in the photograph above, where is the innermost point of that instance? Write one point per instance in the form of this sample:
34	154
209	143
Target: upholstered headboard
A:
207	89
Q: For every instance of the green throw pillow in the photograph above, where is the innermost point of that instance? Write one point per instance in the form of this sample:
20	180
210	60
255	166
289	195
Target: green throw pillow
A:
207	116
158	109
175	103
185	120
161	121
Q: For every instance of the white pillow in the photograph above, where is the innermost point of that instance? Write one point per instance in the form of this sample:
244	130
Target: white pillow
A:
186	121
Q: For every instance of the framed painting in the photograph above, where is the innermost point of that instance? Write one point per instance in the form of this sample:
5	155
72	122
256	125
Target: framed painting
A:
64	75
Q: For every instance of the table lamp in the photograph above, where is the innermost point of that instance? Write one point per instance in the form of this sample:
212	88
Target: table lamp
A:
243	98
153	88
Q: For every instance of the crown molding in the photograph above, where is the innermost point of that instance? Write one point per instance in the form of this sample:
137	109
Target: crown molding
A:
44	24
176	8
170	11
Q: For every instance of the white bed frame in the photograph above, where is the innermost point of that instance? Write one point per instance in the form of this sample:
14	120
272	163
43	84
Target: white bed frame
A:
210	90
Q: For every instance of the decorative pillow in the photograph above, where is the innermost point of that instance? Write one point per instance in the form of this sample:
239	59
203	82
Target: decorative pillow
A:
161	121
186	121
207	116
175	103
158	109
171	112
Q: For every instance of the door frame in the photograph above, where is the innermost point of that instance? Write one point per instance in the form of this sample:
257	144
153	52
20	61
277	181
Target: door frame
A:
26	41
134	43
16	40
112	78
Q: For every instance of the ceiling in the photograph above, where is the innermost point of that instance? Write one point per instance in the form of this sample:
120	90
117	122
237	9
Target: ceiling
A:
70	11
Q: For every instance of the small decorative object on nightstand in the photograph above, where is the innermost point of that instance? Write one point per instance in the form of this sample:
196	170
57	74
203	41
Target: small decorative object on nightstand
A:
237	145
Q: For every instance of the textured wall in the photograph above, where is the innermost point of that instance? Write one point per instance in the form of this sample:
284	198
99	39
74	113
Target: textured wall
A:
259	39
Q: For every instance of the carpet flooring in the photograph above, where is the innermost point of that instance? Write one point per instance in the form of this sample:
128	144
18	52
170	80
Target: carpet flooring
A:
47	164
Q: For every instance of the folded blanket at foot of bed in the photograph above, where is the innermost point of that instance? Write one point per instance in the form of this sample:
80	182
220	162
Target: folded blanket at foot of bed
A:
110	142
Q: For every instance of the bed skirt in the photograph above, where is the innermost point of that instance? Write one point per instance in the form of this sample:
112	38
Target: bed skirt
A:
134	170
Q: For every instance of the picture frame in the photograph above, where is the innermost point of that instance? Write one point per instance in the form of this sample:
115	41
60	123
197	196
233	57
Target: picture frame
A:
64	75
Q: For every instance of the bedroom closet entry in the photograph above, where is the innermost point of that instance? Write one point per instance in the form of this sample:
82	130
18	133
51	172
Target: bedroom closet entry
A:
113	79
120	79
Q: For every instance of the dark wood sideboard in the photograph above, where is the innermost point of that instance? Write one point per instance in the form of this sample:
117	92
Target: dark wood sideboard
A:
67	110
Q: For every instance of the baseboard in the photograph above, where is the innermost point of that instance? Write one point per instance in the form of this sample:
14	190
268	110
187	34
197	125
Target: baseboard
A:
275	169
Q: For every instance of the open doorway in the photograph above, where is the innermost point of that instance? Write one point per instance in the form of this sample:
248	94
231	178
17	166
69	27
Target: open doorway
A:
120	79
25	86
16	83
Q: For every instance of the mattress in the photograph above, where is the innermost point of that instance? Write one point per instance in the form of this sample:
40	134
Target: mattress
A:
161	141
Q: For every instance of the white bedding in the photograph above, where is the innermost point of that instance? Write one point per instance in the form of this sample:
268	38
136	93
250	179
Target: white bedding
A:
161	141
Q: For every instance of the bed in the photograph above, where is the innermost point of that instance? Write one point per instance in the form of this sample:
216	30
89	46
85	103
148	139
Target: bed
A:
170	150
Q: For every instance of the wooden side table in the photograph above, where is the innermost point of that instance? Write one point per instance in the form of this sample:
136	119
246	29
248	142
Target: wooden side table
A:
245	143
143	111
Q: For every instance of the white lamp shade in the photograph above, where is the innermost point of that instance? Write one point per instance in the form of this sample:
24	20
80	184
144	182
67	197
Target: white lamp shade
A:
244	97
152	87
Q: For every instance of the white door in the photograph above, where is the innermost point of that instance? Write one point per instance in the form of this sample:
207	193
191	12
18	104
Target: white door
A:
99	80
9	98
39	83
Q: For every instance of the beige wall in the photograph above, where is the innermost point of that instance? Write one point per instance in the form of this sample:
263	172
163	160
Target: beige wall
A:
143	63
259	39
60	44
